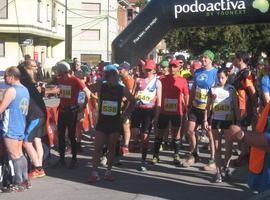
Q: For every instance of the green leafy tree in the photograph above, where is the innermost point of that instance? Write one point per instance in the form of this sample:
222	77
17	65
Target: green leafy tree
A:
141	3
223	39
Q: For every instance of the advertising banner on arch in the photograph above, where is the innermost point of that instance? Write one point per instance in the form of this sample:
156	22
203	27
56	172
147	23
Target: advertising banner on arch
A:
219	12
160	16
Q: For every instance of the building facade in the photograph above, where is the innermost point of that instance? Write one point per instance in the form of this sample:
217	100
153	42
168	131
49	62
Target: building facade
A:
34	27
94	27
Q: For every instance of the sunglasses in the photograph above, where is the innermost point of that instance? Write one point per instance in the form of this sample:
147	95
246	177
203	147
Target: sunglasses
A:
173	66
148	70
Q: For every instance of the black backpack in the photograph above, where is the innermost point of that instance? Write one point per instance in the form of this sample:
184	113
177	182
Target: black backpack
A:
7	173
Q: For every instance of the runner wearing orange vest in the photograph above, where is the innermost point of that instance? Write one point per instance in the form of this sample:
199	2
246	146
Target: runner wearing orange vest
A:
259	163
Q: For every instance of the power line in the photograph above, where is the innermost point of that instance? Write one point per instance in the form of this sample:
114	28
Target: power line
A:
88	28
78	14
88	22
112	10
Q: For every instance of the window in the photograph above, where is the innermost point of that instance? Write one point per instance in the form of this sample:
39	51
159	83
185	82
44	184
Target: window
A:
130	14
3	9
49	13
2	49
91	8
59	17
63	18
90	34
39	11
54	15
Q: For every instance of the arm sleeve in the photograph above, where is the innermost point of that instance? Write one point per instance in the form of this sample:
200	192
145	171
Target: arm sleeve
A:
265	84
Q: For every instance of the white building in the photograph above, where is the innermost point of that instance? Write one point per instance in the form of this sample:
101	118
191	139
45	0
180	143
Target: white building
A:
34	27
94	27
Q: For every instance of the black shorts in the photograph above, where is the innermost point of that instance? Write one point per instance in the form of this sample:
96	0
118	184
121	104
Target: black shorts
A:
35	129
164	120
142	119
220	124
196	115
109	126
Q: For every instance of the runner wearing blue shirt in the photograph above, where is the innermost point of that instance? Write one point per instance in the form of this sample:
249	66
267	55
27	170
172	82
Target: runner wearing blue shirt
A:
204	79
265	88
14	107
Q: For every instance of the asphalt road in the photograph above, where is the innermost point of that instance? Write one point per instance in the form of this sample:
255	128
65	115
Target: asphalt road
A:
162	181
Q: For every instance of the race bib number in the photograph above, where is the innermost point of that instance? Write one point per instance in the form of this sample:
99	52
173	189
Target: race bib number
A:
109	108
144	97
170	105
65	91
201	94
222	108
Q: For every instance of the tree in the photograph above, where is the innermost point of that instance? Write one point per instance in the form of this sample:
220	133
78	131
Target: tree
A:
141	3
223	39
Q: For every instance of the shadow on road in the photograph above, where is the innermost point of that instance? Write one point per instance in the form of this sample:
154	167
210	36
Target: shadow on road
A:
160	181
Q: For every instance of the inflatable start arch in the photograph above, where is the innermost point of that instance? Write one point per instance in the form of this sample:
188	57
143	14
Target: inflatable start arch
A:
160	16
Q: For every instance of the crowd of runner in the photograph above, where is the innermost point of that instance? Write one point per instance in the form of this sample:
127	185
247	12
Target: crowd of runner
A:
174	100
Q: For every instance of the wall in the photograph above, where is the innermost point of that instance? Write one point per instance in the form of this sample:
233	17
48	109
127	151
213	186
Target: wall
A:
23	22
81	19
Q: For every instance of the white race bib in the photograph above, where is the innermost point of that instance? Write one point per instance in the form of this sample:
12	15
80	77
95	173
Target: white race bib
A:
145	96
170	105
65	91
109	108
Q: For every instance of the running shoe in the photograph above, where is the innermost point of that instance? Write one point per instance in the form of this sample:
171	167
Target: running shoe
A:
142	168
211	166
176	159
108	176
218	178
124	151
27	184
155	160
93	178
36	173
189	161
14	188
227	173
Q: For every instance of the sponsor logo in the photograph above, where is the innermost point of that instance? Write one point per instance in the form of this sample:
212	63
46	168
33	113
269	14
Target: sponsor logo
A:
198	7
261	5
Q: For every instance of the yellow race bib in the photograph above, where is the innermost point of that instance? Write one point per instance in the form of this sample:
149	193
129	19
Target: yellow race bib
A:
109	108
65	91
170	105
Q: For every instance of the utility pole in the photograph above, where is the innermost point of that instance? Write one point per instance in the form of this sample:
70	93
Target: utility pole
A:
66	45
68	35
108	31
